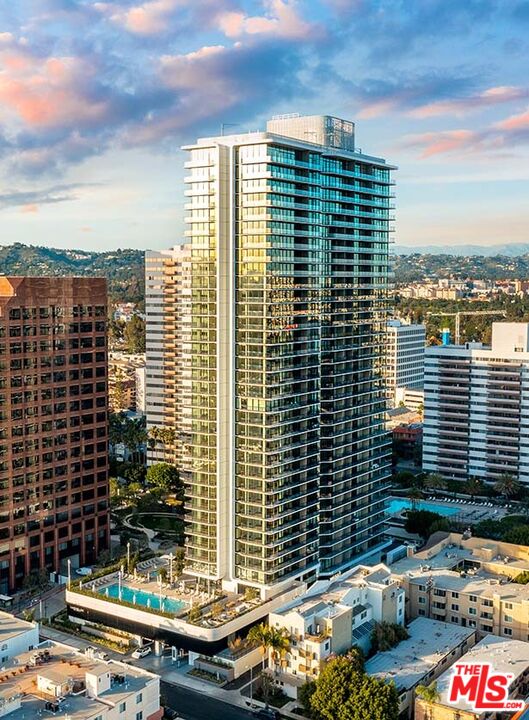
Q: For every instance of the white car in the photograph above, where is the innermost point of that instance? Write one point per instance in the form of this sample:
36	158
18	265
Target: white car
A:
142	652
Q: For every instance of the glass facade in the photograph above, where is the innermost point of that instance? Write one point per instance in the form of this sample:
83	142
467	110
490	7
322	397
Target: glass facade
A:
289	273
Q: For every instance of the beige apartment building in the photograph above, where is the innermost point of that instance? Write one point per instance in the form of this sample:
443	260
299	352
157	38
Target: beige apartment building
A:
333	616
168	350
505	656
430	649
468	582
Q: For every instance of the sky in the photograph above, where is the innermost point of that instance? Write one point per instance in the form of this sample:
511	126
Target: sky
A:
96	99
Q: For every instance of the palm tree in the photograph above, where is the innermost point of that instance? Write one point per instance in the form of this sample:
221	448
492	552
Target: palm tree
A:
260	635
414	496
434	481
279	643
153	437
507	486
474	486
429	694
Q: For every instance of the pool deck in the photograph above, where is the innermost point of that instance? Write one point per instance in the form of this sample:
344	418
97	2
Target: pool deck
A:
185	589
465	511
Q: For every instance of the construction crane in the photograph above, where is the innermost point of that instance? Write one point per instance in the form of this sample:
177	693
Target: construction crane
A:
458	314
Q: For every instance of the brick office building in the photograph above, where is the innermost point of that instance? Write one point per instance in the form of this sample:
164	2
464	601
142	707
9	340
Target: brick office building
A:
53	425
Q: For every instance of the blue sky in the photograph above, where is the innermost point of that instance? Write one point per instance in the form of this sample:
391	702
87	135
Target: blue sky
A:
96	99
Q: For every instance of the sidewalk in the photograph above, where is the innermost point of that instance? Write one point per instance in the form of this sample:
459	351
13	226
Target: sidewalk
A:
170	673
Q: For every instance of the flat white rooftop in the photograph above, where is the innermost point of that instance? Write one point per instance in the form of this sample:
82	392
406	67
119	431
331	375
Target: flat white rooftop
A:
505	656
411	660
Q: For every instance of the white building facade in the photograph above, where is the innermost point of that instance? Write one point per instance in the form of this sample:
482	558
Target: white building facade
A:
476	415
405	358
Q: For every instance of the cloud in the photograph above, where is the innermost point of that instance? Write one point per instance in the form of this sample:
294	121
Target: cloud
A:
499	136
406	91
50	92
515	123
218	83
150	18
30	200
437	143
463	105
282	21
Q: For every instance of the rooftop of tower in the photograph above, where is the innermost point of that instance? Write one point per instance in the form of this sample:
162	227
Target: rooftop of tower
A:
334	134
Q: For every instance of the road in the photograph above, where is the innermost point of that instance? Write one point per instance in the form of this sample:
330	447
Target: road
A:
195	706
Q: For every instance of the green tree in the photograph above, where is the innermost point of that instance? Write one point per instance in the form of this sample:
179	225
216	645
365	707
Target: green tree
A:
474	486
305	694
434	481
429	694
386	635
260	635
194	614
425	522
165	477
163	574
507	485
134	335
518	535
414	495
522	578
344	693
278	643
179	561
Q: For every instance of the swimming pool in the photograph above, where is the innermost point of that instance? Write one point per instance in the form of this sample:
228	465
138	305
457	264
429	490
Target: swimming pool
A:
395	506
145	599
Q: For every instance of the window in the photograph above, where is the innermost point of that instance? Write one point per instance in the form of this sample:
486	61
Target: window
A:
421	612
139	715
472	611
473	598
139	698
122	707
507	631
455	595
507	618
422	600
454	619
508	606
455	607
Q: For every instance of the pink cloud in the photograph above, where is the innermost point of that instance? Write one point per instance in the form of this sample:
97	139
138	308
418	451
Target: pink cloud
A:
29	209
47	93
150	18
433	143
282	20
515	122
460	106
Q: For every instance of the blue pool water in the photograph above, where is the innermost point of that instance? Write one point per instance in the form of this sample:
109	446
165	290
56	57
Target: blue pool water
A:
144	599
395	506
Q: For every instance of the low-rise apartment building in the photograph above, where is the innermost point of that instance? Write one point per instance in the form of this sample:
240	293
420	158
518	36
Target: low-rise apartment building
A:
505	656
431	648
56	680
333	616
16	636
468	582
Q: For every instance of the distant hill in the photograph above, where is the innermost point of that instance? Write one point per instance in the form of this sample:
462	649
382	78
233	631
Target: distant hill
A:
124	269
417	267
508	249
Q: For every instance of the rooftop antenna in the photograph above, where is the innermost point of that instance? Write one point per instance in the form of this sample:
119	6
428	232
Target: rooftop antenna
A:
225	125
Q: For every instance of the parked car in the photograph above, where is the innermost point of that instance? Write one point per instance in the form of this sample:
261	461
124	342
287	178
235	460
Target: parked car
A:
170	714
142	652
267	714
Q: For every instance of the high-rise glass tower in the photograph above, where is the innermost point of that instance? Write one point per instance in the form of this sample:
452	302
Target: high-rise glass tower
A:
288	460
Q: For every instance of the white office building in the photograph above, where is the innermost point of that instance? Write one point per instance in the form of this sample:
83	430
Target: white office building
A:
405	359
476	416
